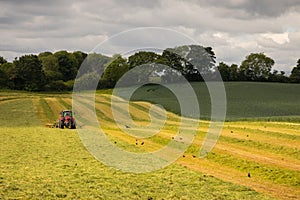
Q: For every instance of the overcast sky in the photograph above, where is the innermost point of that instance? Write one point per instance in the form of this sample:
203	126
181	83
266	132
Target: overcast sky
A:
234	28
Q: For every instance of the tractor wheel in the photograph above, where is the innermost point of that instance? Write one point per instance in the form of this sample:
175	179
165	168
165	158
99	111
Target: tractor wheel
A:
73	126
61	125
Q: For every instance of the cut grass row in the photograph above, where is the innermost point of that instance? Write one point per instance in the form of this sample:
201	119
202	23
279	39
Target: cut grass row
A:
59	167
281	150
257	168
18	112
259	171
275	175
290	152
47	110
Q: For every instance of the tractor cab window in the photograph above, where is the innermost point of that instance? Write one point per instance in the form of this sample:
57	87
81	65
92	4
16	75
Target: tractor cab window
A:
67	114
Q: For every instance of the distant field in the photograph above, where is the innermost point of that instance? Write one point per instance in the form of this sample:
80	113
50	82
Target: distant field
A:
245	100
45	163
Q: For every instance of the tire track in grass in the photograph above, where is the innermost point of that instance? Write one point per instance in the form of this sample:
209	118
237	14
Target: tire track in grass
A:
219	170
246	152
231	175
102	109
18	112
83	108
105	108
49	115
103	99
101	115
235	176
144	106
284	172
267	172
260	156
260	186
64	103
257	183
289	170
55	106
85	105
120	107
288	148
144	109
141	114
4	99
284	151
289	141
40	111
275	133
276	129
116	134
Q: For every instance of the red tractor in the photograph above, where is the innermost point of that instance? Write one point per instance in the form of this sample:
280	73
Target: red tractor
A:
67	120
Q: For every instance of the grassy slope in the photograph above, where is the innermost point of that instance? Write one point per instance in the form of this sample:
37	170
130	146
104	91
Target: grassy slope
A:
50	163
245	100
41	162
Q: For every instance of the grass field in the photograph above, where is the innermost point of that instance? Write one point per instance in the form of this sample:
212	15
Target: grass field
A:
245	100
47	163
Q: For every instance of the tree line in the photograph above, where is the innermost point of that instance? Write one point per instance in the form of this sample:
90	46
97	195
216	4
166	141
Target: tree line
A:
258	67
57	71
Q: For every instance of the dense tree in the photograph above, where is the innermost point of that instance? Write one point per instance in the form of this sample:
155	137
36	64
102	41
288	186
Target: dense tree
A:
234	72
114	71
94	63
257	67
295	75
3	75
229	73
192	61
2	60
141	58
9	70
29	73
278	77
203	59
58	71
44	54
224	70
67	65
3	79
50	66
80	56
178	64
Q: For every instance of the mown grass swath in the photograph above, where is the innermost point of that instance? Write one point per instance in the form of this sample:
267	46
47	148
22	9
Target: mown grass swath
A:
40	163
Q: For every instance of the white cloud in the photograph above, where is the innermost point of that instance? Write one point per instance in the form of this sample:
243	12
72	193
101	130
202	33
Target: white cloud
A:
279	38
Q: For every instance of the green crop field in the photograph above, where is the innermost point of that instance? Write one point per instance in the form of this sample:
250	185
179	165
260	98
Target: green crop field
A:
245	100
37	162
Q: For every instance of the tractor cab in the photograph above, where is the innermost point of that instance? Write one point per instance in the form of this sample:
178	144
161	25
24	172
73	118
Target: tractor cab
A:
67	120
66	113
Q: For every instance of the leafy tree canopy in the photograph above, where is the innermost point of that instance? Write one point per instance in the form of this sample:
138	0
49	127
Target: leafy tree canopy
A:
67	65
257	67
141	58
29	73
295	75
2	60
115	70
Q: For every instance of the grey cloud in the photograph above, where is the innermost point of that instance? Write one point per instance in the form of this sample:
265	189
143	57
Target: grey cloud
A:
254	8
28	26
